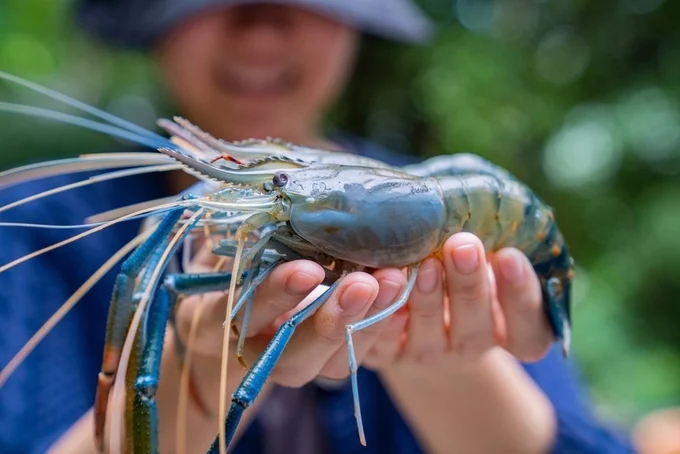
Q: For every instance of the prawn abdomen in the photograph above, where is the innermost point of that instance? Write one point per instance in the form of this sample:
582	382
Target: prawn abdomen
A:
502	213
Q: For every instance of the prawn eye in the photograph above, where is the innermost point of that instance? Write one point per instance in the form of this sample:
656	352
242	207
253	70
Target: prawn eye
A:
280	180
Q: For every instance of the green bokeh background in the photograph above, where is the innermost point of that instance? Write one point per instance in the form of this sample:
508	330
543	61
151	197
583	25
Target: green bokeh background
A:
581	100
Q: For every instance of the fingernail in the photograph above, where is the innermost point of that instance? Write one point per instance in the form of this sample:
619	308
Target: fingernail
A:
388	293
466	258
301	283
428	278
512	269
355	298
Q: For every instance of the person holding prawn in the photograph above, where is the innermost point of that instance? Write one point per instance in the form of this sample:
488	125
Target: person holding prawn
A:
470	367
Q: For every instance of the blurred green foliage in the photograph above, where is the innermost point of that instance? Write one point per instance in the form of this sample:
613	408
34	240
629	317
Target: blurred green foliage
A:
579	99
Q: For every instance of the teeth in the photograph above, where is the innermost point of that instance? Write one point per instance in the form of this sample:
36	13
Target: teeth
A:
256	79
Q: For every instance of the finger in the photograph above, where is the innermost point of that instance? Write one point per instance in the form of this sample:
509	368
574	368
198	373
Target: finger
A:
472	330
528	333
286	280
387	349
427	336
280	292
319	337
391	283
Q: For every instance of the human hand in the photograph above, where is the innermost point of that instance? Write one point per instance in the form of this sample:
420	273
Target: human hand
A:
485	314
480	305
658	432
318	346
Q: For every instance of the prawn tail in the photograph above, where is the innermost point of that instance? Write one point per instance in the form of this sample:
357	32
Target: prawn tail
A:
556	276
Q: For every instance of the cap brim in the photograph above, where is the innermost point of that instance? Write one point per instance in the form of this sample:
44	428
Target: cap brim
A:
138	24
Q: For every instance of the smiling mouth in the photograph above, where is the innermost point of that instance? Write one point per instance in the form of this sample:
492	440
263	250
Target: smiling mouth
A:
257	82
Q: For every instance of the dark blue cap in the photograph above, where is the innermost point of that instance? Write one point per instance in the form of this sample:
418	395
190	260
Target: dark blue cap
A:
138	23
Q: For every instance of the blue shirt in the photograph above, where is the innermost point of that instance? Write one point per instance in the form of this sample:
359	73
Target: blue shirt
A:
56	383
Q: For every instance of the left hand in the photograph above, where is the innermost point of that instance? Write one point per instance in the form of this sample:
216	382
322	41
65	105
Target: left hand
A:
461	310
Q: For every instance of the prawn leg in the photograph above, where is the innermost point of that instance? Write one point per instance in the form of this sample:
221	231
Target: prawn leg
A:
142	374
252	383
370	321
121	311
246	315
128	292
145	415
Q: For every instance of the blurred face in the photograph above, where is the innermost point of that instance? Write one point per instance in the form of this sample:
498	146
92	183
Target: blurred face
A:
257	70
